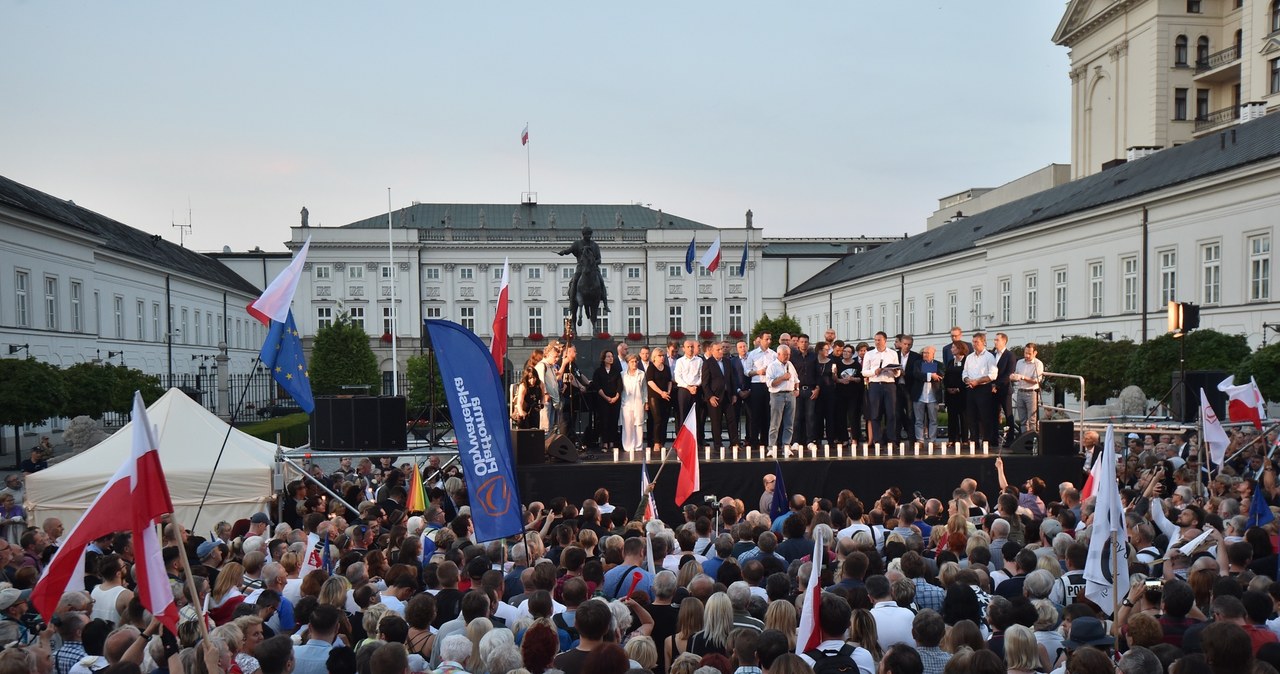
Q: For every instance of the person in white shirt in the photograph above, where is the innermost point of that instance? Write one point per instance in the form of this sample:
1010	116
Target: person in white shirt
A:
929	380
547	372
781	375
979	376
880	367
1026	378
756	365
688	379
893	623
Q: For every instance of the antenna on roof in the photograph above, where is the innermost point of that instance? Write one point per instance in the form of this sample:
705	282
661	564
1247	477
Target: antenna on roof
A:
183	230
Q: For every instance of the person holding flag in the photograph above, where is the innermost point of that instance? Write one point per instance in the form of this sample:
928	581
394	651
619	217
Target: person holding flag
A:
1107	571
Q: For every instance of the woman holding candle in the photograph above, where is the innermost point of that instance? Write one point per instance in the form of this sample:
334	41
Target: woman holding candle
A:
633	398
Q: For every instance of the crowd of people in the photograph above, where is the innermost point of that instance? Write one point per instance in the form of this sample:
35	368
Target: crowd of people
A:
960	582
800	394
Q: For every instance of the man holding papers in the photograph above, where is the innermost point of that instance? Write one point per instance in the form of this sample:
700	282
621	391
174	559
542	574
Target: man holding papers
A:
881	369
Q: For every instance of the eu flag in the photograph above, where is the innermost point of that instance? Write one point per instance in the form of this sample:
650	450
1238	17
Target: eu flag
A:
1259	509
780	505
282	354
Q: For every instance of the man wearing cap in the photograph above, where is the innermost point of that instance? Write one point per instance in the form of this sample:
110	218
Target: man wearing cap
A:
259	523
210	555
1088	632
13	603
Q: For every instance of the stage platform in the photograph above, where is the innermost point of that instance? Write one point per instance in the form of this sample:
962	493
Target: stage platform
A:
935	477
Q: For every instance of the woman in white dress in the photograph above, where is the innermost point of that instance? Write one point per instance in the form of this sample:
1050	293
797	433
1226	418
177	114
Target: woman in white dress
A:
633	397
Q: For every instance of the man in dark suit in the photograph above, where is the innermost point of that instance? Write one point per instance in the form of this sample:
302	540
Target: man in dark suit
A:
719	393
1005	363
906	405
957	335
742	382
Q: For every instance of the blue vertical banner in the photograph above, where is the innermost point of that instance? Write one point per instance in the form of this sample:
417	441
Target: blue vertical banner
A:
479	412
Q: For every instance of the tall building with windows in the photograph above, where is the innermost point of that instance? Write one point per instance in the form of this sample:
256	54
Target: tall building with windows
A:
1151	74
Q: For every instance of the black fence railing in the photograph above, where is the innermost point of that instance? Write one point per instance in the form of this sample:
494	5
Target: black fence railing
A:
1217	118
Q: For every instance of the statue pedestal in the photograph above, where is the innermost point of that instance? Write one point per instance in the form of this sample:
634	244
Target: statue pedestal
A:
590	350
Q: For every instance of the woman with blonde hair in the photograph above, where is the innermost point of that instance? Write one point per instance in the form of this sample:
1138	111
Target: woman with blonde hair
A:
1050	563
717	622
230	635
642	650
225	596
251	629
334	592
781	615
476	629
588	540
369	623
863	632
687	663
688	571
688	623
1046	630
947	573
1022	653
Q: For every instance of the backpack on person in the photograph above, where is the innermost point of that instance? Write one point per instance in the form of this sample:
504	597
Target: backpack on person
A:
839	662
564	626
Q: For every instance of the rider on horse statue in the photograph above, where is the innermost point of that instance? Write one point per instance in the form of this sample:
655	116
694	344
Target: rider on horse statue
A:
587	291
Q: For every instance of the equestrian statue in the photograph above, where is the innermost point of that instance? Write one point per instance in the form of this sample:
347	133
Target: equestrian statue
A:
587	292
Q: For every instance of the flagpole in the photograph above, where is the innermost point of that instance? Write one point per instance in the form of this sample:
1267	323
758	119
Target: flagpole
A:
1115	567
528	164
186	566
644	496
231	424
391	260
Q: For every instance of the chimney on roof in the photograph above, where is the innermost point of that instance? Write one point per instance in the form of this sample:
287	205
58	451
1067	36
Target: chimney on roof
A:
1140	151
1252	110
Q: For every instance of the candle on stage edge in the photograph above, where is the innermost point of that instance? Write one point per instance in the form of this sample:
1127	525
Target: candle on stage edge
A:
615	454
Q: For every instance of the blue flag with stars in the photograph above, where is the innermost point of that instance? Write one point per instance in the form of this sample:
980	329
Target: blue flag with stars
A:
282	355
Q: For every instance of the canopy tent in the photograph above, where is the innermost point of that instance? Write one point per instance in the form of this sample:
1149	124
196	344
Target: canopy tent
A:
189	438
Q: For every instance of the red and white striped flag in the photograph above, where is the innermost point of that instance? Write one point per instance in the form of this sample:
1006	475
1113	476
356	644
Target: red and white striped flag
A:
1244	402
809	634
686	446
498	347
134	498
273	304
524	135
1214	436
711	258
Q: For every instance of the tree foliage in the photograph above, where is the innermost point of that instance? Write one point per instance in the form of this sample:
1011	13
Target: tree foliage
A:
423	374
1103	364
1154	362
95	389
341	356
30	391
775	326
1264	366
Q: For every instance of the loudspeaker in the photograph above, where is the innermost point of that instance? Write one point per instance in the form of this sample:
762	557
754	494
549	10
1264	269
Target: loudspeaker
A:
531	446
1184	404
321	429
1025	444
1057	438
392	415
560	449
364	419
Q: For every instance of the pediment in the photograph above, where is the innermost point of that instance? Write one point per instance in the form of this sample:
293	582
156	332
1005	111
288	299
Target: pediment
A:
1080	13
1270	45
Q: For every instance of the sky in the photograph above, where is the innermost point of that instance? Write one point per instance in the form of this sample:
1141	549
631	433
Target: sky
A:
825	118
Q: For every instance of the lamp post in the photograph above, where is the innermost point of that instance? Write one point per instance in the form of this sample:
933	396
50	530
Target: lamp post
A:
222	377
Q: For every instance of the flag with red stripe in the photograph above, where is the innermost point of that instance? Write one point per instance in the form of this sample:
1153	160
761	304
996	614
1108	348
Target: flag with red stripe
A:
686	446
498	347
273	304
133	499
1244	402
809	634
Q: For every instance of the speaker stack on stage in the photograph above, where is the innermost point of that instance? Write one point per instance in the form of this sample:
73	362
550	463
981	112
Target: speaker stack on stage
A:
358	423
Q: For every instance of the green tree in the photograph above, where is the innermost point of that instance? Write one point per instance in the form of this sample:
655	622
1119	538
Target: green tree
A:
102	388
1264	366
128	380
1102	363
775	326
341	356
30	392
423	374
1154	363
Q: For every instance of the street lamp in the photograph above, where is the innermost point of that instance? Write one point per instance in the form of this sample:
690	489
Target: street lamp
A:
1104	335
14	348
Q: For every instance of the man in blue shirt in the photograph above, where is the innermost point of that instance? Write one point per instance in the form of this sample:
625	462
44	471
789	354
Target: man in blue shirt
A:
618	581
310	658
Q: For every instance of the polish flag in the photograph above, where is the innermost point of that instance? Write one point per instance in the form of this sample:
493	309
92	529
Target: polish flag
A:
134	499
1214	436
1091	483
686	446
524	135
1244	402
809	635
499	345
711	258
650	507
273	304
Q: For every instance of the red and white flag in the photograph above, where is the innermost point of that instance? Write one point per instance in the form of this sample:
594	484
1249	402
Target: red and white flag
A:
498	347
650	507
711	258
524	135
1214	436
273	304
809	635
686	446
1091	482
1244	402
133	499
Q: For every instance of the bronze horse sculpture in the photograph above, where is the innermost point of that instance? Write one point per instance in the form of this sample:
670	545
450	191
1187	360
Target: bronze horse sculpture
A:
587	292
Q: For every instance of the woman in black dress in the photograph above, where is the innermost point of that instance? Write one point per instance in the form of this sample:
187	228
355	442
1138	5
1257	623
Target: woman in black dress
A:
953	384
827	364
529	394
847	410
657	379
607	383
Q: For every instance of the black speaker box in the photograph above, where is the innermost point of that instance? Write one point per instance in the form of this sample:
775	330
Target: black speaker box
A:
1184	403
559	448
364	419
358	423
393	413
531	446
1025	444
321	428
1057	438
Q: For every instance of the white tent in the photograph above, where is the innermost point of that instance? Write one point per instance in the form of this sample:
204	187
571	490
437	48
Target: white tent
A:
189	437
